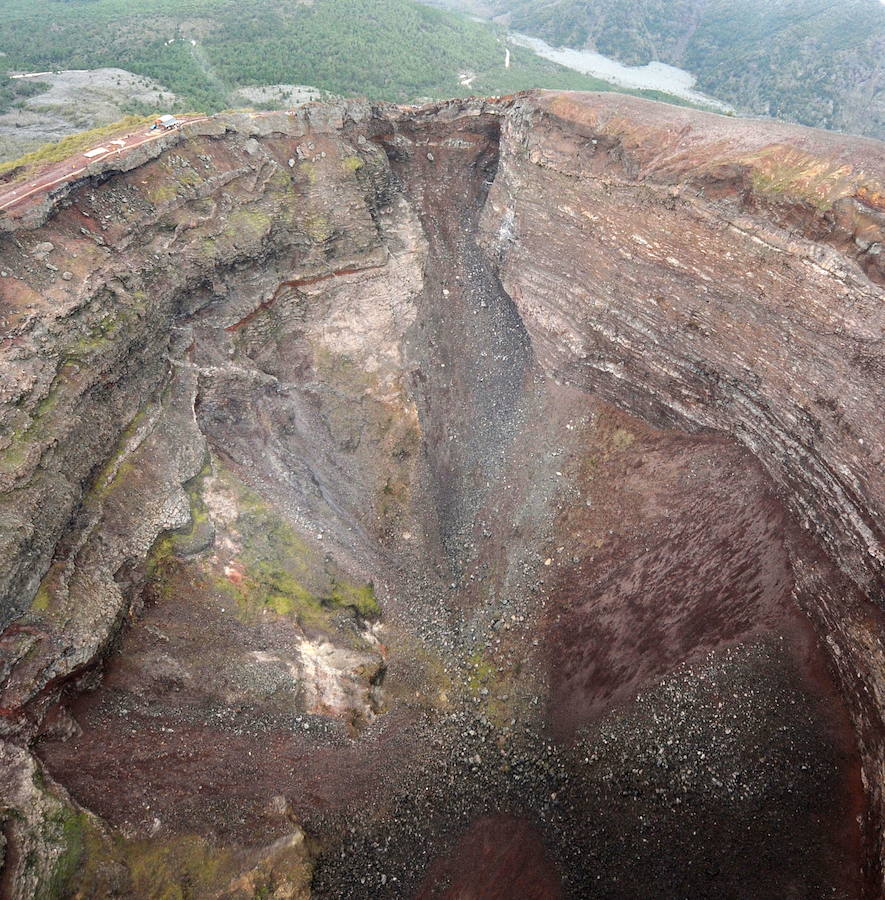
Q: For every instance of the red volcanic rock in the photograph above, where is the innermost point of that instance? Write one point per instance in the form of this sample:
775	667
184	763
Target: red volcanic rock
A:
495	859
481	499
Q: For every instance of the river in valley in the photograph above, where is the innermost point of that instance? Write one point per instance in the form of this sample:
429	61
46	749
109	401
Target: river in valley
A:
655	76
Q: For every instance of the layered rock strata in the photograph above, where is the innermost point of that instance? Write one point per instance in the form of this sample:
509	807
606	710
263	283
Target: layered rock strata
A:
507	475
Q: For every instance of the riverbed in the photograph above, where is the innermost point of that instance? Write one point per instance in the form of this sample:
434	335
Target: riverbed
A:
655	76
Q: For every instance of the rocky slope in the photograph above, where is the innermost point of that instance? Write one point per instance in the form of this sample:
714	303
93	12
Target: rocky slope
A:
482	499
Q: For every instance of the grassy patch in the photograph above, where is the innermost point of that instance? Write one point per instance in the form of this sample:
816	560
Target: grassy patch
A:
115	469
272	572
482	674
162	192
778	184
75	143
621	439
177	869
317	227
245	224
45	597
64	828
38	428
360	598
782	171
494	689
199	532
52	416
98	337
610	440
161	568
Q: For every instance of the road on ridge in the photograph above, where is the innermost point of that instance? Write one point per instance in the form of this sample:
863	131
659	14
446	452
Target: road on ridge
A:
76	165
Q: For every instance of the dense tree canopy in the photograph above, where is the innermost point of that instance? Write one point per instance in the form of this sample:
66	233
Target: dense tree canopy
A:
813	61
204	49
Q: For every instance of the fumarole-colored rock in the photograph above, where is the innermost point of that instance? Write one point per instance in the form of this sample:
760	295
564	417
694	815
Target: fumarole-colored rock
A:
475	500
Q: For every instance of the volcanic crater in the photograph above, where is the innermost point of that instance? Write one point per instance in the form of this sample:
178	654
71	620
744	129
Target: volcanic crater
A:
479	500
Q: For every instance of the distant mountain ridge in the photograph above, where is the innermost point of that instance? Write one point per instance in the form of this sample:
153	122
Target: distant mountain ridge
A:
816	62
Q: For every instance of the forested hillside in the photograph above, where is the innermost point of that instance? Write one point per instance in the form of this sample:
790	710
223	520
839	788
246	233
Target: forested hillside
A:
819	62
203	50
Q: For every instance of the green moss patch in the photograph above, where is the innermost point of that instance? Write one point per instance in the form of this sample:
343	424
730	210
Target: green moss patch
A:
199	533
271	571
45	600
782	172
360	598
40	427
176	869
247	224
282	574
495	690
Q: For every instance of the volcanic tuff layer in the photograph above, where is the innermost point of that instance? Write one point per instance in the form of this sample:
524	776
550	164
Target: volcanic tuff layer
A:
439	501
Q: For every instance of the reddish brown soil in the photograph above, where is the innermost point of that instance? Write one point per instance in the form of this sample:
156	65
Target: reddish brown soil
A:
677	547
674	548
210	779
495	859
155	745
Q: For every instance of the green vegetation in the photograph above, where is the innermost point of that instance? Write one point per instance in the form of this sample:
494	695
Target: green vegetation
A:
204	50
496	689
176	867
71	824
171	867
283	574
811	61
780	172
37	427
13	91
185	866
360	598
274	570
91	863
199	532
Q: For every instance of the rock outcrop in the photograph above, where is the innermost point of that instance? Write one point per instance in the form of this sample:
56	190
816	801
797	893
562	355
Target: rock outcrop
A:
380	482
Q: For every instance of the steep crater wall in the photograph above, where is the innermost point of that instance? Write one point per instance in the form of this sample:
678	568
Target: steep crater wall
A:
727	278
494	475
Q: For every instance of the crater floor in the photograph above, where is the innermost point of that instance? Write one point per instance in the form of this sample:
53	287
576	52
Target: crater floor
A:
649	713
